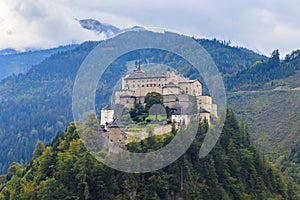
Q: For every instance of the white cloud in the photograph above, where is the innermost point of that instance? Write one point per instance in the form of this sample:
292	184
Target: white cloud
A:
262	25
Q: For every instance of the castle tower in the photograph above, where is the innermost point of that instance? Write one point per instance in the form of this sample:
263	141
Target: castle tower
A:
107	115
115	134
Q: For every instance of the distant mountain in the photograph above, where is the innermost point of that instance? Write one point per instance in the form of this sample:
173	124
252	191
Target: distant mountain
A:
102	28
8	51
14	62
98	27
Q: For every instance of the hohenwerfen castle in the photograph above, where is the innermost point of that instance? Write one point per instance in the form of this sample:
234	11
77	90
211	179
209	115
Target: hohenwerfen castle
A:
182	94
177	91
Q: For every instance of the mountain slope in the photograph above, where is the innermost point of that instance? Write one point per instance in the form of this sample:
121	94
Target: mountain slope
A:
265	74
273	117
12	62
233	170
272	108
36	105
230	60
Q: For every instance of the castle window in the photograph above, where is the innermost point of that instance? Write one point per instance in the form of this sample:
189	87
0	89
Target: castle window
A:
158	84
147	85
186	90
142	85
150	85
154	85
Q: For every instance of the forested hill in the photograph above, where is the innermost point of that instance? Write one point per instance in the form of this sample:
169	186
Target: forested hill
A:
230	60
235	169
265	74
36	105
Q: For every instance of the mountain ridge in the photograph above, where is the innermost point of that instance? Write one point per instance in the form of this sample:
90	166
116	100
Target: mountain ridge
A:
107	30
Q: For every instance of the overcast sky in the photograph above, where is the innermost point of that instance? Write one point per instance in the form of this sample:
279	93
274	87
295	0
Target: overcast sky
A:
261	25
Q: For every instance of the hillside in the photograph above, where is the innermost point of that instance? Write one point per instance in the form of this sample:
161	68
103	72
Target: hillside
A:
270	105
233	170
272	115
36	105
265	74
290	164
12	62
230	60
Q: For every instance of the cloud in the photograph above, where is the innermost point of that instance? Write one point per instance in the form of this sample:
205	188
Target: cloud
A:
38	24
259	25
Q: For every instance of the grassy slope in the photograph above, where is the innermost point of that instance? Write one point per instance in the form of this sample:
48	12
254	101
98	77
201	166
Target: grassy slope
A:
274	117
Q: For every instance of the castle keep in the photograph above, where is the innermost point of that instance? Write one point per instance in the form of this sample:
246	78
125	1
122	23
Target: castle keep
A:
177	91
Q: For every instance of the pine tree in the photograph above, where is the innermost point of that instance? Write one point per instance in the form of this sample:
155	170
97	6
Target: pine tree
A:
39	149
